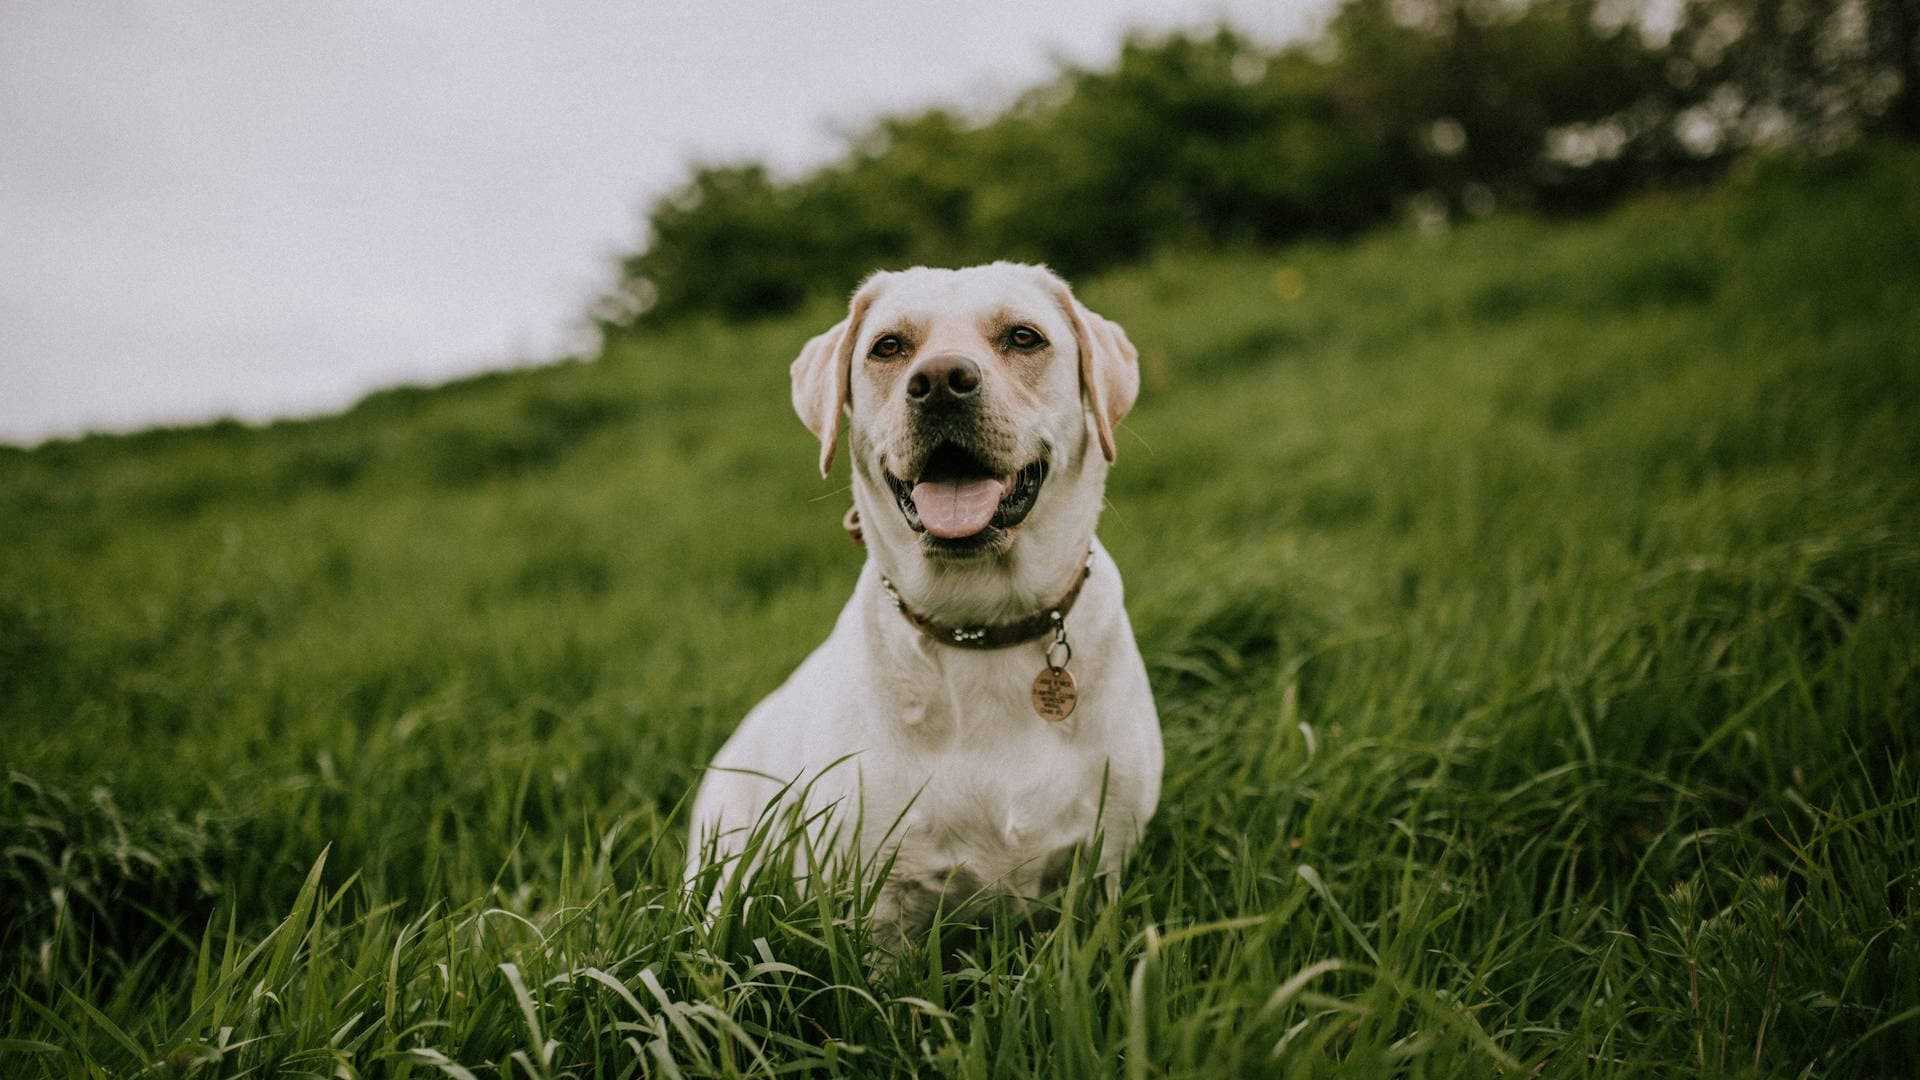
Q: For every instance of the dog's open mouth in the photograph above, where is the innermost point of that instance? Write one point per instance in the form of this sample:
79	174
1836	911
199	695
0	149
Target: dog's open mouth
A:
958	499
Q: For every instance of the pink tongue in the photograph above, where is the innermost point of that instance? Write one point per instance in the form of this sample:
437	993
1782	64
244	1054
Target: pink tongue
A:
956	509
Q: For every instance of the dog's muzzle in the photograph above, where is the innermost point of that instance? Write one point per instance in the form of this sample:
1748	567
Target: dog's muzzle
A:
961	502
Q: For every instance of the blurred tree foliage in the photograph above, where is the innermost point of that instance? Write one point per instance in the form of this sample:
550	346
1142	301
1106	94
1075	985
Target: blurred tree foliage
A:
1433	108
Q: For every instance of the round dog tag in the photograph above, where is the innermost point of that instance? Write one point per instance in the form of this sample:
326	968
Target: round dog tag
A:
1054	694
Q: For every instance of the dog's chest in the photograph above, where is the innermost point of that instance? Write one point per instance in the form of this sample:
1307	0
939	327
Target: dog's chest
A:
998	823
999	795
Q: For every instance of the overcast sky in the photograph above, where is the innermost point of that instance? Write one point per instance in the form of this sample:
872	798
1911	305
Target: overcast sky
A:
264	209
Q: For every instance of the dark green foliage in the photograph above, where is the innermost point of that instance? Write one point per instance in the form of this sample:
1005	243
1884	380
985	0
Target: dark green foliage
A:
1665	278
28	650
330	467
546	430
1533	612
584	573
84	882
1435	108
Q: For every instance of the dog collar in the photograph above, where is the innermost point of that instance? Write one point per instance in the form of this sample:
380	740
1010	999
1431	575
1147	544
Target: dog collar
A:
1049	620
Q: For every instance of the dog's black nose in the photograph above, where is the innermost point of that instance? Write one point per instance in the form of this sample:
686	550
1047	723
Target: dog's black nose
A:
949	375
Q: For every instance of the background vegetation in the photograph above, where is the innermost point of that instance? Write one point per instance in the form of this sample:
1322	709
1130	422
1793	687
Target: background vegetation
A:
1533	609
1533	605
1430	109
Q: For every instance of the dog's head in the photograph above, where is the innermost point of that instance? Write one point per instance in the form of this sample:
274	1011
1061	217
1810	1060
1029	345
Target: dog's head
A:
980	409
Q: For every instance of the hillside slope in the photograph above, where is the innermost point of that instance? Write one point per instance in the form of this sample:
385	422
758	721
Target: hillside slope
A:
1534	611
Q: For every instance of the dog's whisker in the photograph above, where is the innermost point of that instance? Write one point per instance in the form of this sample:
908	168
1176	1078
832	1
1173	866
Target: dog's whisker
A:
836	491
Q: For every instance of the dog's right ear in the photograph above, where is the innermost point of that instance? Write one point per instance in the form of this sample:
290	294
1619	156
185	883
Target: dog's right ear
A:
823	372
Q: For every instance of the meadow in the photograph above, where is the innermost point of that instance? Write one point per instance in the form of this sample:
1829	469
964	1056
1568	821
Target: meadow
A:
1533	609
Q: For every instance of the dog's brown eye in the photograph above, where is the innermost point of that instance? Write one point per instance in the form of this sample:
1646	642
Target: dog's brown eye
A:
887	346
1025	338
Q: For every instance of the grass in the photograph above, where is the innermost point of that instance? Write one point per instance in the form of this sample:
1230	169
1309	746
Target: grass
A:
1533	609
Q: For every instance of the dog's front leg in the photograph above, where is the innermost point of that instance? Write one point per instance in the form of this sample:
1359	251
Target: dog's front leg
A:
901	914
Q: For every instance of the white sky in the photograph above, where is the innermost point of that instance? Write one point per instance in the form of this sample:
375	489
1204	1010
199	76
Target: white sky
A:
264	209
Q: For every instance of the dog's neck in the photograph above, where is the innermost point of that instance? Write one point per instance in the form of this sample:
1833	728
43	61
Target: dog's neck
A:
987	590
1048	619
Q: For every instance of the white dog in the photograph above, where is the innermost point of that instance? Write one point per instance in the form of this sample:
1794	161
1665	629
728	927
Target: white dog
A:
980	707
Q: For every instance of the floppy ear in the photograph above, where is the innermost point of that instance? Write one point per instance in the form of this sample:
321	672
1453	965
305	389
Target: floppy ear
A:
822	373
1109	365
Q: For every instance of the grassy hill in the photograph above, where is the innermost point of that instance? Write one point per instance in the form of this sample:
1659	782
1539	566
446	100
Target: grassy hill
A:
1533	609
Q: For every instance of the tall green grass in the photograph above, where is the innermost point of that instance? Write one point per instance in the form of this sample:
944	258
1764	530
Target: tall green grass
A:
1533	609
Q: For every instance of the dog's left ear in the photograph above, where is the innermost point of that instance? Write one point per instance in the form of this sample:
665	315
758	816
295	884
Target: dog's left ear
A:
823	371
1109	364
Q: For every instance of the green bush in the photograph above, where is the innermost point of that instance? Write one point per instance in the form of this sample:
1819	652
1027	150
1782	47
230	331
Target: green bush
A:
1439	108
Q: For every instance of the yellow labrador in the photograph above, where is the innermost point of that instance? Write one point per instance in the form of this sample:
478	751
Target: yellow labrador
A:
981	692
